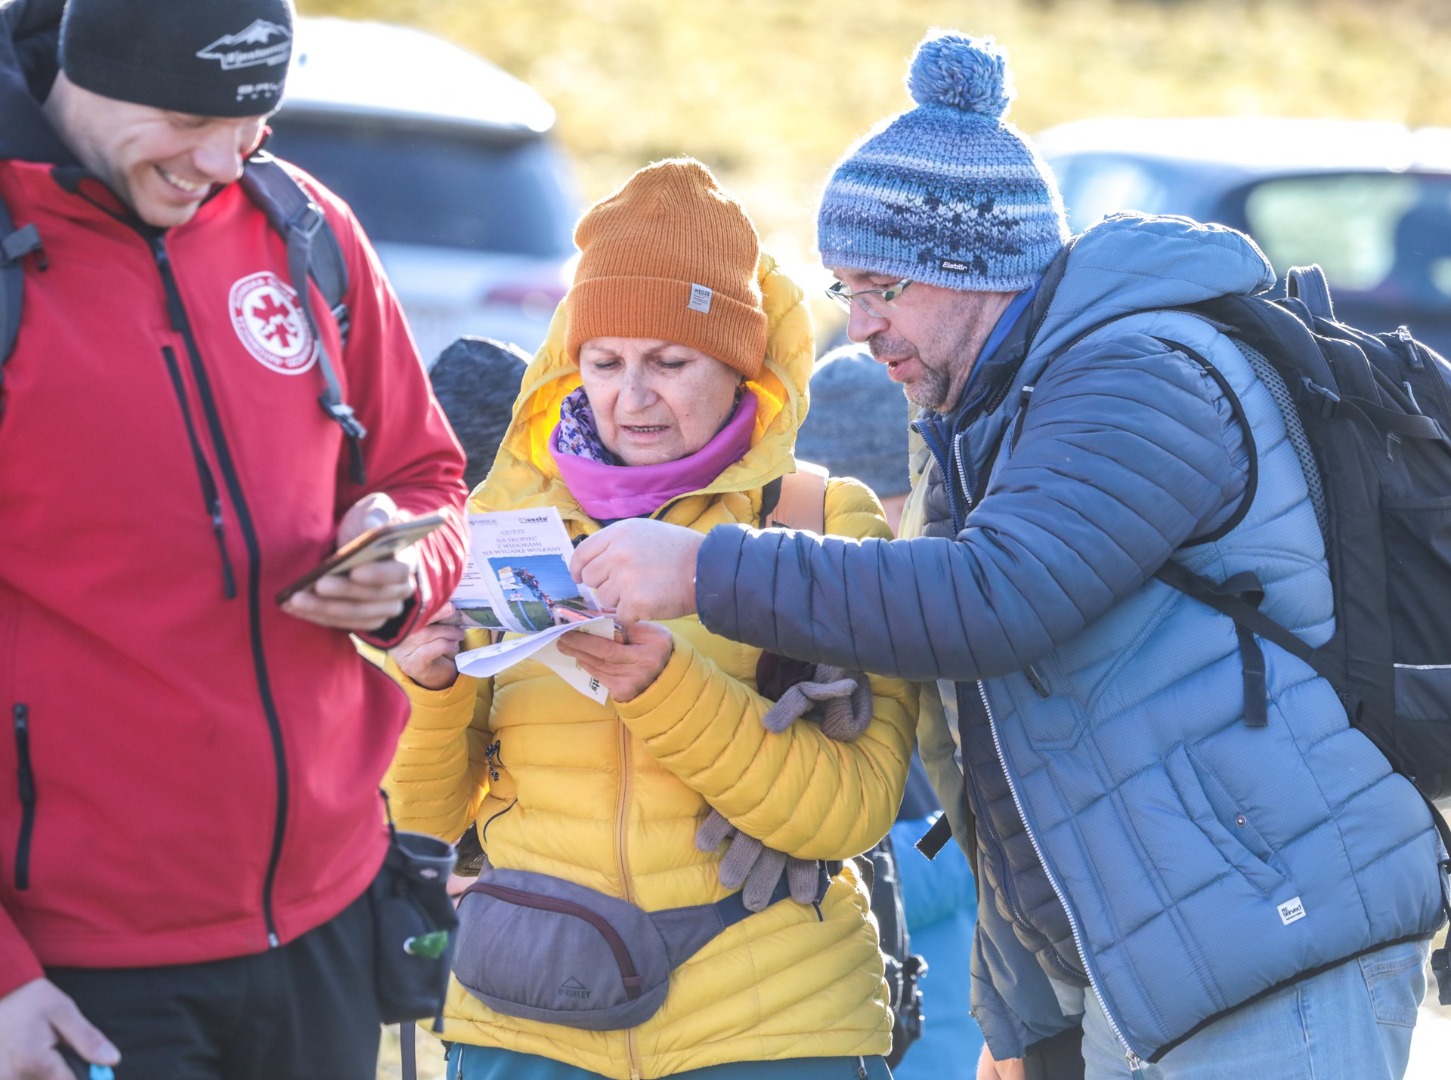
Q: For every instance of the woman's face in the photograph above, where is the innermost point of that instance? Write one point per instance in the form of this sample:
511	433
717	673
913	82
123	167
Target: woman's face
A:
655	401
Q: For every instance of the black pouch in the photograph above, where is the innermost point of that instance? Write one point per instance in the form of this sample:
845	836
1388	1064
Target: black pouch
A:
414	923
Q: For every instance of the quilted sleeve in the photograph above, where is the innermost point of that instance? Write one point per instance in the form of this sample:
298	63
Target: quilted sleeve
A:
798	791
410	452
1127	451
439	776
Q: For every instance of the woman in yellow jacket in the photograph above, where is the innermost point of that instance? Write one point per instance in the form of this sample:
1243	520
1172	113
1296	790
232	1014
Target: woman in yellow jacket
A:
672	384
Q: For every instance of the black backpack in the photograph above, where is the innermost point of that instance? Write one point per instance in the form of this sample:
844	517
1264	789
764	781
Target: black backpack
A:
903	968
1370	417
312	249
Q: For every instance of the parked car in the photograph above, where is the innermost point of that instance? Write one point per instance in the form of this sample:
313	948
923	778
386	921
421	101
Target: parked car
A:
1369	201
451	165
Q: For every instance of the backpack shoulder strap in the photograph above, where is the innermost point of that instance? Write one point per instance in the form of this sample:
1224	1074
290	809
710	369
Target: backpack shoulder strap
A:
284	201
799	500
312	250
15	244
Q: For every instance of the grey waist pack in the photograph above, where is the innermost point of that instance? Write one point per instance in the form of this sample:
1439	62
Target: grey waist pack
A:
542	948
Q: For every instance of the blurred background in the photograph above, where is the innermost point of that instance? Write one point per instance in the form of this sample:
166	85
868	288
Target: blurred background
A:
770	92
469	177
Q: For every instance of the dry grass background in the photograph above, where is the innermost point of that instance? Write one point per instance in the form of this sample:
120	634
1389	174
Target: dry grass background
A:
770	92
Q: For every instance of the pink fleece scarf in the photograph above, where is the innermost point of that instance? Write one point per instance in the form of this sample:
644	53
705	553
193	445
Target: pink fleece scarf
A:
608	491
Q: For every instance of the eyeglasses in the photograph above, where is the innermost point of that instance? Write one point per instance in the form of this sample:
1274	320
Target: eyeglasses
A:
873	301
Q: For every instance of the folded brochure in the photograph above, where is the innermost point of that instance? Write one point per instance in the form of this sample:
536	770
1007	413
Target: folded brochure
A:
517	580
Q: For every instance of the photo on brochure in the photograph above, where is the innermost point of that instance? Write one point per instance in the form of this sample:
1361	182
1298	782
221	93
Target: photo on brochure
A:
517	574
517	580
477	614
537	590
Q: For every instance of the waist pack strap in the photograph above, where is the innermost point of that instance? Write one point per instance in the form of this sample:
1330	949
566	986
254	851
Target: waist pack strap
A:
408	1051
686	930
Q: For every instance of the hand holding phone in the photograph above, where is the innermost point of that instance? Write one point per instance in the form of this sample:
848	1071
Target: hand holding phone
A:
381	542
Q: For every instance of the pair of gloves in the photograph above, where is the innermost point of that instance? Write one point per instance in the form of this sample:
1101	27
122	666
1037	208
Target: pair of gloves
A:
842	702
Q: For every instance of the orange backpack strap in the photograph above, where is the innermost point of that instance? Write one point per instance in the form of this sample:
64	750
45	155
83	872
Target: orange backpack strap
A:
800	500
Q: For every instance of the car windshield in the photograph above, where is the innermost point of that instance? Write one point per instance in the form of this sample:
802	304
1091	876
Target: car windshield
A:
1383	234
443	187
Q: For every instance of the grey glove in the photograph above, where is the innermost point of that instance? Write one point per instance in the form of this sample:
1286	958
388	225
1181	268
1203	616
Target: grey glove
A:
754	868
844	697
844	701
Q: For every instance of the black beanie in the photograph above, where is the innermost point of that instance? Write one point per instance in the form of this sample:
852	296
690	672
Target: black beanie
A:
202	57
476	381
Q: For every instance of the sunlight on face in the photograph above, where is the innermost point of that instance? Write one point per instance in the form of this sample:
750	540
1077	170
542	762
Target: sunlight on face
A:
929	337
161	164
655	401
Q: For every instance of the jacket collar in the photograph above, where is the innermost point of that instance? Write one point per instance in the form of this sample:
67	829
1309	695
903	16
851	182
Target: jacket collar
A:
525	474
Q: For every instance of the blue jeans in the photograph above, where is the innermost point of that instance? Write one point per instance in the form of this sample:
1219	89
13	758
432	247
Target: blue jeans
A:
1352	1022
491	1063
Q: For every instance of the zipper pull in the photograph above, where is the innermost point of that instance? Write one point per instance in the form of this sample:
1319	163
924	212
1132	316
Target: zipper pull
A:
24	777
1136	1065
229	581
1409	344
175	315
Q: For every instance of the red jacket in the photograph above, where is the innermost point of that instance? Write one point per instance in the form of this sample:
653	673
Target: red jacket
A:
185	774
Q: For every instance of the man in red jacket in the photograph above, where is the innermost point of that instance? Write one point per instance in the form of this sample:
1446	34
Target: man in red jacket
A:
189	817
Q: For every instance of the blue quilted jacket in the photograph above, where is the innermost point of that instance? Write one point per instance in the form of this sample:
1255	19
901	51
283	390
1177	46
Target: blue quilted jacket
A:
1135	836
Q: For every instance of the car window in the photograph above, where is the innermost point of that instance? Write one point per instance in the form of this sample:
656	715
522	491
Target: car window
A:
1386	233
441	187
1095	185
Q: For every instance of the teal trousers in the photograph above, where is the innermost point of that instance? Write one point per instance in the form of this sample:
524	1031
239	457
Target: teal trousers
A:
491	1063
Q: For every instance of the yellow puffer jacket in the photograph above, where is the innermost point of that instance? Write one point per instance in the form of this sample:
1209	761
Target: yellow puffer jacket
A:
610	795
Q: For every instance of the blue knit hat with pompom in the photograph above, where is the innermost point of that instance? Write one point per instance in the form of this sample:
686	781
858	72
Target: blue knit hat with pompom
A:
947	193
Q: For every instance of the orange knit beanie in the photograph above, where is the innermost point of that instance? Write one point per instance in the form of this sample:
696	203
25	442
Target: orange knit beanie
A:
670	256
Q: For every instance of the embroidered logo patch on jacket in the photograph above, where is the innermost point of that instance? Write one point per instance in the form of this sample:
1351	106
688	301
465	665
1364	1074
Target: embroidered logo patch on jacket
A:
270	322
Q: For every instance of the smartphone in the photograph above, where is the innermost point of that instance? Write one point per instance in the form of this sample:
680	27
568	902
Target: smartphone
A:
377	543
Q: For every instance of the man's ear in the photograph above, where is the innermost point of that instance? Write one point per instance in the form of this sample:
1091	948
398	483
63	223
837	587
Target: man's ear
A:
261	141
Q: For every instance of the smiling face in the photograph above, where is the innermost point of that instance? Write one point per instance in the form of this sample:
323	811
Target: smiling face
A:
655	401
161	164
929	337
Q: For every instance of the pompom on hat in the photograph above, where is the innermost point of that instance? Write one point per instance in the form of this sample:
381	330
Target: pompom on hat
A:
947	193
670	256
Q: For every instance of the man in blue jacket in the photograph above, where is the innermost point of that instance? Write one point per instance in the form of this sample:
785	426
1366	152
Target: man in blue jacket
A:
1212	895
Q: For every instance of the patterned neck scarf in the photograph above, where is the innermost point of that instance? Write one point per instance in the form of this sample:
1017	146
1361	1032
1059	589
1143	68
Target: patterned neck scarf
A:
608	490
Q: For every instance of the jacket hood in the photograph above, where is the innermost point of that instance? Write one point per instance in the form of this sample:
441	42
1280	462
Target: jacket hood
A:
525	474
29	60
1135	262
